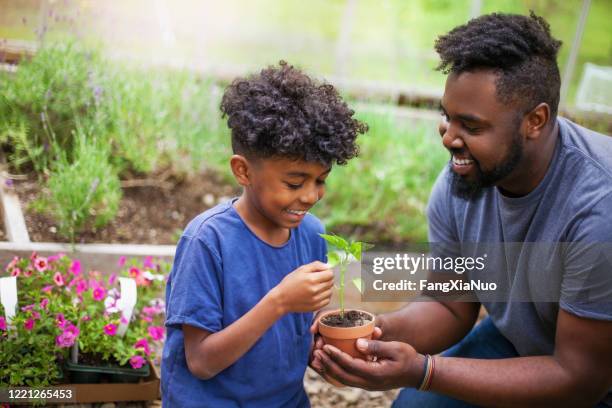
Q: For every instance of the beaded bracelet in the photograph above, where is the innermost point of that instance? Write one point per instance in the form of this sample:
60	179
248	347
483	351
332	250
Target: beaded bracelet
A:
427	373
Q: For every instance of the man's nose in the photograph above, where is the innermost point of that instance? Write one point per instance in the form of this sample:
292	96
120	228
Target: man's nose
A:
450	138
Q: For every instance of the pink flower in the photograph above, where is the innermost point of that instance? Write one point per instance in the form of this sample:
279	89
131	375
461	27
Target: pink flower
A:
75	267
41	264
156	332
13	262
146	318
81	286
60	320
86	318
68	336
2	323
27	273
16	272
44	303
137	362
123	320
47	289
112	279
143	344
28	307
148	263
35	314
110	329
121	262
98	293
134	272
54	258
58	279
29	324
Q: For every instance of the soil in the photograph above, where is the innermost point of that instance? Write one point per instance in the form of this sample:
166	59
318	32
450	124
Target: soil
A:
154	214
352	318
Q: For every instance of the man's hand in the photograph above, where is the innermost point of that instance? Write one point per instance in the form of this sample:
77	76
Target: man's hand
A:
395	364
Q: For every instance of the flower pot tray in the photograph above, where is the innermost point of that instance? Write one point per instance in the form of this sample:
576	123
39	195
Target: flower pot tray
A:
146	389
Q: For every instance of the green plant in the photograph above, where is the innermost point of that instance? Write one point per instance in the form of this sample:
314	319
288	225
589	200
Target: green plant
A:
347	249
60	306
82	189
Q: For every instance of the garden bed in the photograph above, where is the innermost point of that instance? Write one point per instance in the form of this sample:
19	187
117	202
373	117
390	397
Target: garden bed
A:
147	214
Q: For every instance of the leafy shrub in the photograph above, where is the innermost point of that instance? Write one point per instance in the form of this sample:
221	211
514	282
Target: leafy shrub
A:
60	306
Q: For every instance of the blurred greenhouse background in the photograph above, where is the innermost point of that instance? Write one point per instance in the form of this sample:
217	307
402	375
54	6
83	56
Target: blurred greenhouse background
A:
136	84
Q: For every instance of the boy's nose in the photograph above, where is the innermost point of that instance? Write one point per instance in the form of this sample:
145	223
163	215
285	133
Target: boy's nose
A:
310	197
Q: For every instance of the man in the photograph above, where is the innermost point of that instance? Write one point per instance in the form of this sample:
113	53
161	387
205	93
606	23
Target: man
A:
518	174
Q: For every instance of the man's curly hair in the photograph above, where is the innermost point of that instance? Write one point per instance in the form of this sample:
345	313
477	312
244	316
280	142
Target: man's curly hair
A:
281	112
520	48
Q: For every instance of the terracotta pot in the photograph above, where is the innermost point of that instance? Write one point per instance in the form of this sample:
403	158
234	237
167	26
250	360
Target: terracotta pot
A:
345	338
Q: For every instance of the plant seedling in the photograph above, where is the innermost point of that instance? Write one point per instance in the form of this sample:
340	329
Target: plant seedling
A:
347	249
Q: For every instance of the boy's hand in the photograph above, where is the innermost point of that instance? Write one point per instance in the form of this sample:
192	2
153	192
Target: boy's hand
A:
306	289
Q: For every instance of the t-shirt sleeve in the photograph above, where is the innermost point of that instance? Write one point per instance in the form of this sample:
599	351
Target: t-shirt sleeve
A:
195	287
586	290
442	232
439	213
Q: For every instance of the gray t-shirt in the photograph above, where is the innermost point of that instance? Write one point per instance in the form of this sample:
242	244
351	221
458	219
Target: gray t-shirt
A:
571	205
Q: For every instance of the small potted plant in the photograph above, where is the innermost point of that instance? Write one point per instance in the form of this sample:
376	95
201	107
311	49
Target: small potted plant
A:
341	328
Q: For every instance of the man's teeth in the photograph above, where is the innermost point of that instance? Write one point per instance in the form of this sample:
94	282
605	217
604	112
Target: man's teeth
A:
296	212
462	162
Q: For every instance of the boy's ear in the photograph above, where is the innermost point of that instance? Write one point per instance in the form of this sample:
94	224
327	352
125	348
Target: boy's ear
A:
240	168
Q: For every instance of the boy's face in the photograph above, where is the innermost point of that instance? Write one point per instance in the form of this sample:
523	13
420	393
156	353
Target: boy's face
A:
282	190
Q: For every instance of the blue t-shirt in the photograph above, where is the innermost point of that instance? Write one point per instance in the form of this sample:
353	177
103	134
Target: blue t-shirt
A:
221	271
572	205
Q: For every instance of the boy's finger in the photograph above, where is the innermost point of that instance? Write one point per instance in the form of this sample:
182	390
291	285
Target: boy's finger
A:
323	276
316	266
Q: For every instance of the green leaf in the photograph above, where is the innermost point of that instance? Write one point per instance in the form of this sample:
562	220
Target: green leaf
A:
358	282
357	248
336	241
333	258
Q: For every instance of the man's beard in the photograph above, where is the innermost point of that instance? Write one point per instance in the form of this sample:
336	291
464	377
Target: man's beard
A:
472	189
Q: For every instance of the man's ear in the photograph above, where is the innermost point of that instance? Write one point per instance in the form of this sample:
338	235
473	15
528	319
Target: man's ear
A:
536	120
240	168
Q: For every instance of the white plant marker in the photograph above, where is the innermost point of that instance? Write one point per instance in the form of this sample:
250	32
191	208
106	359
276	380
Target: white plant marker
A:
8	297
126	302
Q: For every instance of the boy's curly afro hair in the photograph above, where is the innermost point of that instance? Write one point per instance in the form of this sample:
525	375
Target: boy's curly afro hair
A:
281	112
520	48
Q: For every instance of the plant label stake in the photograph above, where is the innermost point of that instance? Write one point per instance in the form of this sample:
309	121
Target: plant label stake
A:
8	297
126	303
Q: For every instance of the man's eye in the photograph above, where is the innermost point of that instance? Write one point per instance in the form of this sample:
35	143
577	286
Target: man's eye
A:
293	186
321	182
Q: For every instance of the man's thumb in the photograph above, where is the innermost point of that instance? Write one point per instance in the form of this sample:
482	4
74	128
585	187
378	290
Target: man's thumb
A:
374	347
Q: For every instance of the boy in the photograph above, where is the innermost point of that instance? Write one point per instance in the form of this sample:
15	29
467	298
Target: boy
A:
249	273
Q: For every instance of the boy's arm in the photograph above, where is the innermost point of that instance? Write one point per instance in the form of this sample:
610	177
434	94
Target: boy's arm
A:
306	289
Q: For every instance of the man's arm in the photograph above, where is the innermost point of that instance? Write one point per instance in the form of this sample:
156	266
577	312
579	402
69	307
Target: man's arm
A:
578	374
429	326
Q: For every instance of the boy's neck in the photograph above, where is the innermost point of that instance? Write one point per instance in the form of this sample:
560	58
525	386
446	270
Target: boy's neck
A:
263	228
